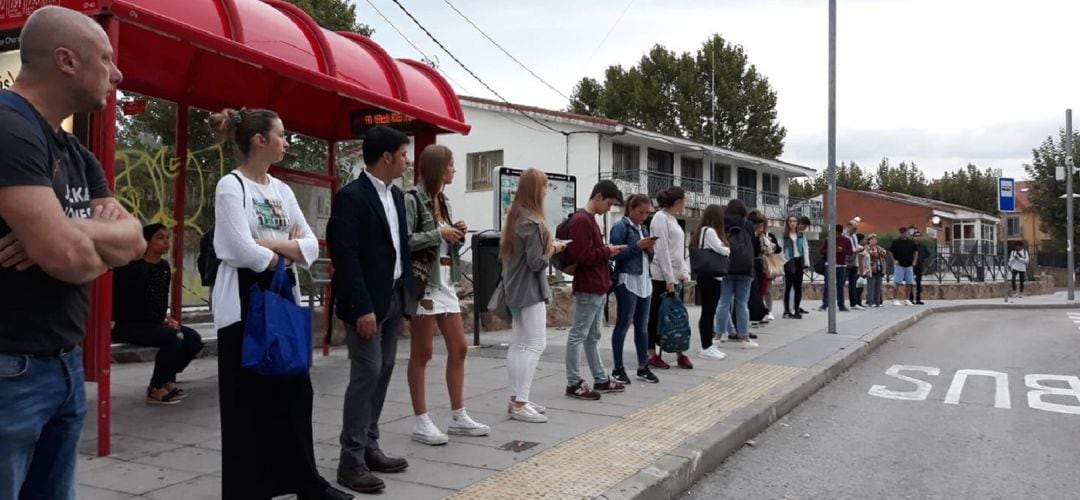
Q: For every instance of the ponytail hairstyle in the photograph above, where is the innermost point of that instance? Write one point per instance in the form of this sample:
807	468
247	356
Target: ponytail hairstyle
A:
670	196
241	126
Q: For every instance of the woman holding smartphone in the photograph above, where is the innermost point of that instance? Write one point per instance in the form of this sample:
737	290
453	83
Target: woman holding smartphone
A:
428	219
525	250
633	289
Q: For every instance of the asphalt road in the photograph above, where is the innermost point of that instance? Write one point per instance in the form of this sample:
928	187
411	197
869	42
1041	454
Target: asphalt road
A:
853	441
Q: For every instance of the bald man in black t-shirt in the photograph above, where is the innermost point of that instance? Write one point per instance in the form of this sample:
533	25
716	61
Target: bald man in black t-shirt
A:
60	229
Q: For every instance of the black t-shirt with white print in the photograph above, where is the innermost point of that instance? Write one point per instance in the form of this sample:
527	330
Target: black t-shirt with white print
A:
38	313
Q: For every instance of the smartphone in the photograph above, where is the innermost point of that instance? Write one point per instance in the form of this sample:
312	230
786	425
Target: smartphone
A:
654	238
565	242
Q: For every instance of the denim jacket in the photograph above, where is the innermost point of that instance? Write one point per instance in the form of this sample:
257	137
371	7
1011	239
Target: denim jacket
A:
628	261
424	233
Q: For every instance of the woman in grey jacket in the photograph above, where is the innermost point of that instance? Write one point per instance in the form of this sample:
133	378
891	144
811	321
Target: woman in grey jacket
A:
525	250
435	237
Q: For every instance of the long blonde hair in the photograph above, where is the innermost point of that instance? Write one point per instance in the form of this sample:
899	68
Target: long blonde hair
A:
528	202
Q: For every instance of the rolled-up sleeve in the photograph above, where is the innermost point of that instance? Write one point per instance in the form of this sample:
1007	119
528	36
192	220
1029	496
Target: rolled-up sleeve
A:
309	244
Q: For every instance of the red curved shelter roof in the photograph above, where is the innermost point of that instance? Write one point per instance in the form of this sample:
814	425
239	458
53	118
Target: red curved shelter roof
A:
267	53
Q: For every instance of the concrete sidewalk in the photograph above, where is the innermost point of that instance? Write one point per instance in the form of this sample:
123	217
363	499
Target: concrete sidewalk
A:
651	441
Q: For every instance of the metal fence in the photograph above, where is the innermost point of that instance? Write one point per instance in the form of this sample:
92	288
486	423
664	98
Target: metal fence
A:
947	265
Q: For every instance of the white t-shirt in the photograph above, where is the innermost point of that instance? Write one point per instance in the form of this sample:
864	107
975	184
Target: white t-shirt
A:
242	215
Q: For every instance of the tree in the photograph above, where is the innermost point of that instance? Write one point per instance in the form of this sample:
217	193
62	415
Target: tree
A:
903	178
334	15
969	187
850	176
1045	191
673	94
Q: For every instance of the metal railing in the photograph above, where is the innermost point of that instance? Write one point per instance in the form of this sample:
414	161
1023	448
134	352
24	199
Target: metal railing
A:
700	194
946	265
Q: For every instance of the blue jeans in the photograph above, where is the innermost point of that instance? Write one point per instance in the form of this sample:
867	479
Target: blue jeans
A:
734	289
841	277
585	332
631	307
43	402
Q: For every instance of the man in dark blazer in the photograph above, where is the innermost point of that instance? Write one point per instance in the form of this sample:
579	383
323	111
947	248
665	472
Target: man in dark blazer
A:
369	246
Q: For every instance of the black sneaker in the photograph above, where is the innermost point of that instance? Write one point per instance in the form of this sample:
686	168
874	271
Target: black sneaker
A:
619	375
803	311
646	375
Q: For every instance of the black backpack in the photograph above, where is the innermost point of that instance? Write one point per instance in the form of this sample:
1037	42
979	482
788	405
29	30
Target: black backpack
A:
562	261
208	260
741	260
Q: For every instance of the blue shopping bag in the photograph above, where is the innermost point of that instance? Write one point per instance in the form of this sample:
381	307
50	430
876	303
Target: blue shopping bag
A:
674	323
277	337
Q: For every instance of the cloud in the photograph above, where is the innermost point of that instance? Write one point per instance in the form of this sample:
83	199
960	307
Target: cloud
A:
1005	145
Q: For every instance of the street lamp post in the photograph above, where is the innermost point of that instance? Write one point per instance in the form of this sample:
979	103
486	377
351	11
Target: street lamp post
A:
1071	280
830	271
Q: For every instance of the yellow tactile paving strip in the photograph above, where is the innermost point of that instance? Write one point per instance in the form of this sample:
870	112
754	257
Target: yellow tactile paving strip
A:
589	464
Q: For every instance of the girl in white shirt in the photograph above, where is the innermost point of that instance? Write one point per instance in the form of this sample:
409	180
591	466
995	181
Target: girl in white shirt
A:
266	441
668	267
711	235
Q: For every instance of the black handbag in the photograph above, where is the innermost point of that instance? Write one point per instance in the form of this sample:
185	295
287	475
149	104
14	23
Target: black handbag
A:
706	263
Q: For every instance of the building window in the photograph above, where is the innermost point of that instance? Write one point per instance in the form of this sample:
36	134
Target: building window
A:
721	180
770	184
692	174
625	157
1012	226
747	180
479	167
661	161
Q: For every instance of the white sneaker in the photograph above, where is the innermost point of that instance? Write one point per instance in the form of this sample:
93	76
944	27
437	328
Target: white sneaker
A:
749	344
908	303
463	425
861	308
769	317
426	432
537	408
527	413
897	303
713	352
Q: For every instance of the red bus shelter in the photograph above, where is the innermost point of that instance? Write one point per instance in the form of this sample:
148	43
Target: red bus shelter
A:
213	54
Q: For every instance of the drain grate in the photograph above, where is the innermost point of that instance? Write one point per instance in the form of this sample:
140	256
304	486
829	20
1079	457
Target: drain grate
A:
517	446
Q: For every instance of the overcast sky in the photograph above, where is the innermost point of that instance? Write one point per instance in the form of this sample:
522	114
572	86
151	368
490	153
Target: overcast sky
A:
939	82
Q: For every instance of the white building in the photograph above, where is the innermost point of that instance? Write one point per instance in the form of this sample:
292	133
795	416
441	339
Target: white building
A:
593	148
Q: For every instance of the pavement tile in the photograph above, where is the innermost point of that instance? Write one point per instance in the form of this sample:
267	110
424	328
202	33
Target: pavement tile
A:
200	488
188	459
84	492
133	478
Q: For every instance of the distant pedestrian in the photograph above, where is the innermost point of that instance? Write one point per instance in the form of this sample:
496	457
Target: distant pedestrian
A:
905	254
1018	263
711	235
862	260
874	284
915	295
735	288
843	251
796	260
851	261
804	225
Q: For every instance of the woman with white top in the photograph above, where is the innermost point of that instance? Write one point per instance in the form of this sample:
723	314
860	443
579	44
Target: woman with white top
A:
266	442
668	266
1018	263
711	236
633	288
431	227
796	260
525	251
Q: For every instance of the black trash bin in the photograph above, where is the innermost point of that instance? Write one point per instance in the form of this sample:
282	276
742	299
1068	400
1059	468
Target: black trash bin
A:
980	271
487	269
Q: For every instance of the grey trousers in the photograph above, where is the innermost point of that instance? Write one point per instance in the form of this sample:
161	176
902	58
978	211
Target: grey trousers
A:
372	364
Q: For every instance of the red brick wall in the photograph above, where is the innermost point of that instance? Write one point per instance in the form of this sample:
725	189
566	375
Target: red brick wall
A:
883	216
